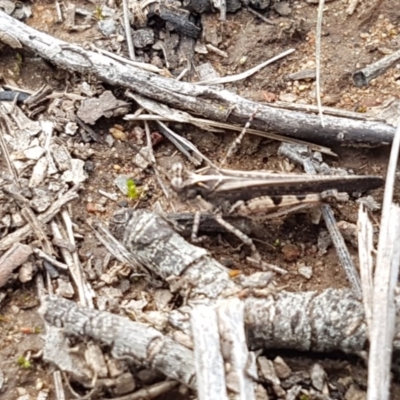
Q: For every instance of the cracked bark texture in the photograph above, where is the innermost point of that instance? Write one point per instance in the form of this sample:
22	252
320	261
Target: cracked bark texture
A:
310	321
219	105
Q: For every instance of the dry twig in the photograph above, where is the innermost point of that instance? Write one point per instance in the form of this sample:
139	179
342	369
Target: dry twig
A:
385	280
363	77
214	104
318	57
128	33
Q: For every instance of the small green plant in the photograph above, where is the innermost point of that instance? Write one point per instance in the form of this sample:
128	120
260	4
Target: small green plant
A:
133	192
24	363
98	13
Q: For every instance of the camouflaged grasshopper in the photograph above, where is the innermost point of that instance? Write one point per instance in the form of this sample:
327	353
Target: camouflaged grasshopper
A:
261	195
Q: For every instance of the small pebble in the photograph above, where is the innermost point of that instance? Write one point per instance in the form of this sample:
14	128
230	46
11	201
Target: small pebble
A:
282	370
288	97
118	134
39	384
267	371
318	376
305	271
290	252
121	181
116	167
354	393
91	207
227	262
89	166
21	391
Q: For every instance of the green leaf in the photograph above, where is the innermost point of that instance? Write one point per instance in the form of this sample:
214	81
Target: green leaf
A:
132	190
24	363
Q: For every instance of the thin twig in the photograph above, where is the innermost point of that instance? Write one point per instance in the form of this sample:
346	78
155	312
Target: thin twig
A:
85	295
128	32
6	155
59	12
50	259
352	7
254	12
338	241
22	233
246	74
385	280
206	101
153	160
182	74
318	57
365	251
363	76
172	114
138	64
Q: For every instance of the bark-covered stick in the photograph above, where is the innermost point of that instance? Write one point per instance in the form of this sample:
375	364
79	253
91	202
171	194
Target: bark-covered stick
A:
220	105
126	338
365	256
210	369
308	321
385	281
363	77
242	376
337	239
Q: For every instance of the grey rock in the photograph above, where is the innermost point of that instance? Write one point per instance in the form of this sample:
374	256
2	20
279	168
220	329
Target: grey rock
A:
267	371
40	204
318	376
107	26
121	182
354	393
305	271
149	376
282	370
65	288
143	37
293	392
76	174
25	273
282	8
124	384
17	220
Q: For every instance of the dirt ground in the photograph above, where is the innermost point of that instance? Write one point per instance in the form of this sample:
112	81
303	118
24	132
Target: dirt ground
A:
348	42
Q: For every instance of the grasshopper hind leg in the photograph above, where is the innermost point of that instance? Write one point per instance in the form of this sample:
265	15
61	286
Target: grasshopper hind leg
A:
240	235
195	229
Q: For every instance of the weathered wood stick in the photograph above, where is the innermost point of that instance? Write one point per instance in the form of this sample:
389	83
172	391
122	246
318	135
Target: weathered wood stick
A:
363	77
125	337
219	105
308	321
210	371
